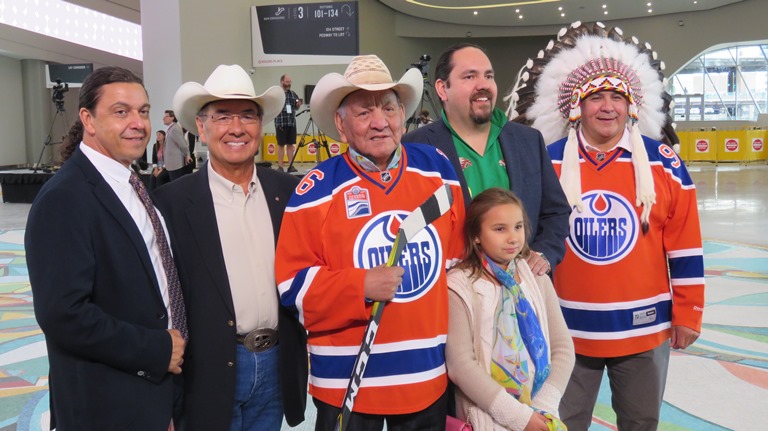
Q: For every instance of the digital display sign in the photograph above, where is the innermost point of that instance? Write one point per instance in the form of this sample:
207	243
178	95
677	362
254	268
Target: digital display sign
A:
302	34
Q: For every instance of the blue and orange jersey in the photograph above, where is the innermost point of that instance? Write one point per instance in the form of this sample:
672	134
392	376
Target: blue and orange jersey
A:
342	221
621	290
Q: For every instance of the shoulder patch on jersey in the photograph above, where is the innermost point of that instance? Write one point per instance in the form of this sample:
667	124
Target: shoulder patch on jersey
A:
421	257
606	230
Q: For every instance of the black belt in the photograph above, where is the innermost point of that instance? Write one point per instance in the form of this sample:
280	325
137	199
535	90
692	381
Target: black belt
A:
258	340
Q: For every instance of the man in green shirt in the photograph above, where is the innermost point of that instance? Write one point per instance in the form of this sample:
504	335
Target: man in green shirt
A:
488	151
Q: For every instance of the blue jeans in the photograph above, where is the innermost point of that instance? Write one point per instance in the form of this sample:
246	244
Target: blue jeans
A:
258	401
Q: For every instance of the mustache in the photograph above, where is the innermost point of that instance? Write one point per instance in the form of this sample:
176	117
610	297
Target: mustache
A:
482	93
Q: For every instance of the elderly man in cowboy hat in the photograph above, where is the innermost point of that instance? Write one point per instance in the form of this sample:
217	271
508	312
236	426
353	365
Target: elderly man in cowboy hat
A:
246	358
337	231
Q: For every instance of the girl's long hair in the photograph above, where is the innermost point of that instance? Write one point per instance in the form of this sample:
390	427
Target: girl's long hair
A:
472	258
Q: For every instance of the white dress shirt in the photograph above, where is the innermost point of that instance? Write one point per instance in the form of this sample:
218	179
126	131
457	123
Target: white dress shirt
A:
117	175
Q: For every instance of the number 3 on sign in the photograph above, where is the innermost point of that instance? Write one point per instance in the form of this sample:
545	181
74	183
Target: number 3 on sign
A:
301	12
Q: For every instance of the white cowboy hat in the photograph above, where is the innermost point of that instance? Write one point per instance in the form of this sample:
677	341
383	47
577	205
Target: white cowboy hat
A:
365	72
225	83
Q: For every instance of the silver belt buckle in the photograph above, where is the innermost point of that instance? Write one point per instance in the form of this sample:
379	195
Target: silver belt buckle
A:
260	340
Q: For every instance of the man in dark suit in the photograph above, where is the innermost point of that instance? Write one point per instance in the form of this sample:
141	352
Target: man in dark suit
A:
224	221
101	289
487	151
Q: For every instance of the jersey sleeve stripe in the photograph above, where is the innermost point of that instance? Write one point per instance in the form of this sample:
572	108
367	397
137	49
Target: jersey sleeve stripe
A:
292	291
686	267
687	281
672	254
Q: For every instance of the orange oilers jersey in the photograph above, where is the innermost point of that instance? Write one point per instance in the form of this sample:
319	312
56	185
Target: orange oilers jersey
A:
341	221
620	290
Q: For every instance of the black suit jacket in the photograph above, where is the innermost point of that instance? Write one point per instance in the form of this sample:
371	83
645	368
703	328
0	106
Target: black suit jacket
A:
531	177
209	362
97	300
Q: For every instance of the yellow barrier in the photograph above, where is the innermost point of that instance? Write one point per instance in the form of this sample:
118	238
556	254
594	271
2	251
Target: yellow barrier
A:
731	145
305	153
756	145
723	145
685	145
702	146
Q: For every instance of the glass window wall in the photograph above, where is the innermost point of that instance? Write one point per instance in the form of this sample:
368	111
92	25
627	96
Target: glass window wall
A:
723	84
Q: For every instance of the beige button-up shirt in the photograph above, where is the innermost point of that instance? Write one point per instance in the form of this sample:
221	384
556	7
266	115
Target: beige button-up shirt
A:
248	244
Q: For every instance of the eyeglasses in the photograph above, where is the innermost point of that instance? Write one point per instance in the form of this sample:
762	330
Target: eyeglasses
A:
226	119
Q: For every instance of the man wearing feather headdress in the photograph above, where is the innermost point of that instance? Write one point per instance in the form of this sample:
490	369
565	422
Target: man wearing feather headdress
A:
633	276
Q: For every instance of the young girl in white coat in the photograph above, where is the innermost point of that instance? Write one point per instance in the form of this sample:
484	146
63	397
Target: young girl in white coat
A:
508	350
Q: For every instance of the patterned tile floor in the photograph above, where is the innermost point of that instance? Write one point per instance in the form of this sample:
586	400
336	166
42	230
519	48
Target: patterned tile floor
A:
720	383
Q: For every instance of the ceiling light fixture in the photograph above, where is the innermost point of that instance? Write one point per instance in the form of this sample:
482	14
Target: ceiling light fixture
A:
431	4
475	12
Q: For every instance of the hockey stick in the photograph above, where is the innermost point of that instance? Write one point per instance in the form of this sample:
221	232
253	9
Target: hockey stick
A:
434	207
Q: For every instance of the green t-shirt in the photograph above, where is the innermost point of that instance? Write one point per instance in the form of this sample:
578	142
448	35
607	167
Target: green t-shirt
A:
488	170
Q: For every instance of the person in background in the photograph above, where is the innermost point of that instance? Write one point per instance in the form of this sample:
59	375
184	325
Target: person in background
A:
106	289
487	151
246	365
176	150
285	124
424	118
508	350
191	140
159	173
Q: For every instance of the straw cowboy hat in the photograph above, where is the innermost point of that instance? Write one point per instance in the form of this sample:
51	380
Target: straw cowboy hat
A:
225	83
365	72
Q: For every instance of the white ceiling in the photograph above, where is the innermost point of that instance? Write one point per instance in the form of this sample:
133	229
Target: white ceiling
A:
543	12
536	13
129	10
489	12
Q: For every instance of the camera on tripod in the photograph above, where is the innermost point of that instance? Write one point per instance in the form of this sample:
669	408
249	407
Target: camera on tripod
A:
423	64
58	94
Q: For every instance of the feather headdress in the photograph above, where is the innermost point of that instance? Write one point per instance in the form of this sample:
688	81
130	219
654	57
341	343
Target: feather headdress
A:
585	59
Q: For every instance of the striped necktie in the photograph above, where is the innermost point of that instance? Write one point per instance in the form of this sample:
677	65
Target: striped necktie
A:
176	298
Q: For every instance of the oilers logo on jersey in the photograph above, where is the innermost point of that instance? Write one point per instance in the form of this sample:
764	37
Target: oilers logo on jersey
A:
606	230
421	257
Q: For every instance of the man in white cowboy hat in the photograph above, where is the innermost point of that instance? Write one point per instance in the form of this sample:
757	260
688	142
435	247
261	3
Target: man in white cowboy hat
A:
488	151
337	231
633	273
224	220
